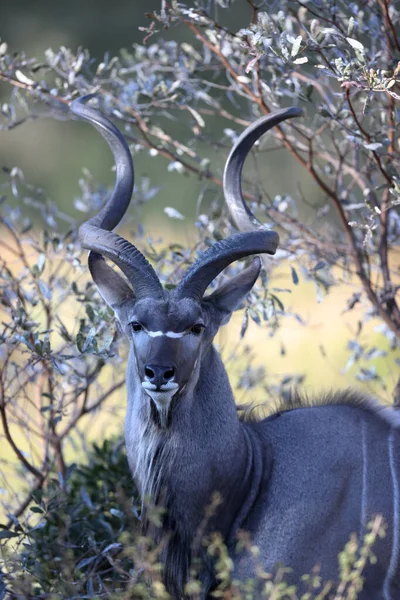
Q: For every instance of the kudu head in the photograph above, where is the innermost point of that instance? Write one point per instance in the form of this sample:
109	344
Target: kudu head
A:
169	331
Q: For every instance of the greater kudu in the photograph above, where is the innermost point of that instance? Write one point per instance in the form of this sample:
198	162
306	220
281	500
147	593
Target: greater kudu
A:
301	481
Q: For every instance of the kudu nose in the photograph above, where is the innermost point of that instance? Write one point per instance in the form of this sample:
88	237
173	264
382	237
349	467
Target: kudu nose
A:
159	374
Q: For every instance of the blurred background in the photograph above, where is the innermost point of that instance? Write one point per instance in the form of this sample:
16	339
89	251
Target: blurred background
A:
52	153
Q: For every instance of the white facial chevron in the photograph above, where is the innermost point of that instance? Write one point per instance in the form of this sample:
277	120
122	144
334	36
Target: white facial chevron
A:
170	334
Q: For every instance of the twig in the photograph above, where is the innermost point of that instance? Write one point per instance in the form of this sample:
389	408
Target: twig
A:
32	469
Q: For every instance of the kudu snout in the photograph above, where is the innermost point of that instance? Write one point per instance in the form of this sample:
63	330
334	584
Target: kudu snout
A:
159	375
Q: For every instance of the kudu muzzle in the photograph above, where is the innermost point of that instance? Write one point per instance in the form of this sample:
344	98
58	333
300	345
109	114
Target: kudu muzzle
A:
159	380
166	371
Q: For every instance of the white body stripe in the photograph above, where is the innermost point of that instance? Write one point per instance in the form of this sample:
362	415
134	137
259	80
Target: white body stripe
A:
394	559
364	491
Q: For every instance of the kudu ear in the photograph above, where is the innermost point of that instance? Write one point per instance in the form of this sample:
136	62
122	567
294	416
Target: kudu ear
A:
232	293
112	286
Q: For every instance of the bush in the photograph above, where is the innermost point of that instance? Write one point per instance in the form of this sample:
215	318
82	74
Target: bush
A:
82	539
74	547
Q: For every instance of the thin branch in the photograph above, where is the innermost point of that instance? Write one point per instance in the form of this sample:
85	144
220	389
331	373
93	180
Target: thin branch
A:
31	468
395	43
88	409
367	138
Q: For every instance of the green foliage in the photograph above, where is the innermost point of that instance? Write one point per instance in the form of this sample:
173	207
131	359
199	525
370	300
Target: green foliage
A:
71	544
81	539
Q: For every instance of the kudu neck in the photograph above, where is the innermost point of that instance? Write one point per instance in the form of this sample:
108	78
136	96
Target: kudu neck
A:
206	451
213	389
219	451
221	457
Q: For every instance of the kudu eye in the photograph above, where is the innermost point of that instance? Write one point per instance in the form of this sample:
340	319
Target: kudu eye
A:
197	329
136	326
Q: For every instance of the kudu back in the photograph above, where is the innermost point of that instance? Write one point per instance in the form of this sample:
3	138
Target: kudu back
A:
300	482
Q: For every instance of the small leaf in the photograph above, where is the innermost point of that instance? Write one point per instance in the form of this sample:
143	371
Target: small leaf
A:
176	166
173	213
355	44
301	61
41	262
324	112
373	146
23	78
5	535
85	497
245	324
81	205
255	316
308	91
85	562
114	546
90	313
296	46
107	341
318	292
277	301
320	265
295	277
80	336
45	290
199	119
375	353
90	339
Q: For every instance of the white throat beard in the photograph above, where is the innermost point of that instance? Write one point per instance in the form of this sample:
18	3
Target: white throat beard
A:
161	398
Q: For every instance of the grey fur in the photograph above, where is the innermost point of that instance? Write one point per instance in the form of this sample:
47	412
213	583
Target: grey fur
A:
299	482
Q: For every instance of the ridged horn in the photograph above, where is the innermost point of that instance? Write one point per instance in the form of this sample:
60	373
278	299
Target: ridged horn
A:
232	185
95	234
221	254
255	238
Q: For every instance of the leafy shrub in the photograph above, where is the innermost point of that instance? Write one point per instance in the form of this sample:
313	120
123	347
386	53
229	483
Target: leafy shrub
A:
86	543
72	547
